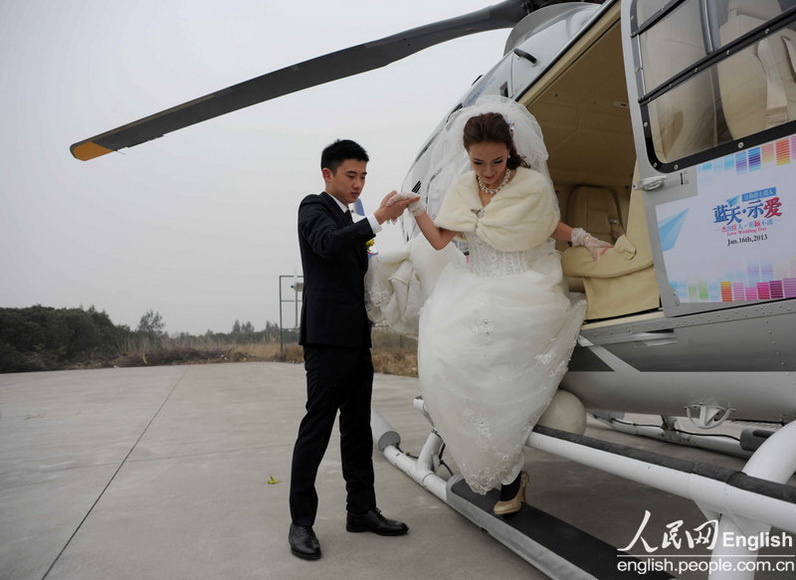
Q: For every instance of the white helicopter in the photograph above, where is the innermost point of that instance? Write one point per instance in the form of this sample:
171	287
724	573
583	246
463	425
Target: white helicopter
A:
670	130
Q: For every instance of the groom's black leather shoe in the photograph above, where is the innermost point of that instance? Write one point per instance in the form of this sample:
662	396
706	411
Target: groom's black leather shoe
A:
304	543
373	521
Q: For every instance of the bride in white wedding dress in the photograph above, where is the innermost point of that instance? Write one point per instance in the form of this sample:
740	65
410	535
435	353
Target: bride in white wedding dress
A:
496	333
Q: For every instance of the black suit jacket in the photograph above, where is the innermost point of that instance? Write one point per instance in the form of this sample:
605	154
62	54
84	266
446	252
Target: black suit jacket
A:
334	259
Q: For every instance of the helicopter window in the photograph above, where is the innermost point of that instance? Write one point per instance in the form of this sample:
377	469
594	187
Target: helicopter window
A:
679	36
683	120
714	73
651	10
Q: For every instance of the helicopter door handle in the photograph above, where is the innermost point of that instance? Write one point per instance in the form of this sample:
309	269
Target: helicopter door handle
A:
650	183
526	55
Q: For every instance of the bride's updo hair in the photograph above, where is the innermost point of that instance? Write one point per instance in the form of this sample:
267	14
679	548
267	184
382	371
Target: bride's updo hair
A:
492	128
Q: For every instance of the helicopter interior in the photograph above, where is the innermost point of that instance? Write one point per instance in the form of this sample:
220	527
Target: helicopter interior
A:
581	104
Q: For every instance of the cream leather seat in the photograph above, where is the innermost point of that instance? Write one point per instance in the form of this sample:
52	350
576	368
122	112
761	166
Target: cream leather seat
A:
622	281
595	210
758	84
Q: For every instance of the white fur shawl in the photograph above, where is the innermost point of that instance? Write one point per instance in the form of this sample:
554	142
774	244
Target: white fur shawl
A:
521	216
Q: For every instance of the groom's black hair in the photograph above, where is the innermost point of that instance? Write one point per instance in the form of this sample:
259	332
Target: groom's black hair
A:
342	149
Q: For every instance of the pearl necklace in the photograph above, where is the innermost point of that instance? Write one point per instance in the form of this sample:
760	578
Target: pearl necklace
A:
503	183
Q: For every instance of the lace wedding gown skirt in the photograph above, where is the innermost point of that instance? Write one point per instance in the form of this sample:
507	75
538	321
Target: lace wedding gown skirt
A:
495	338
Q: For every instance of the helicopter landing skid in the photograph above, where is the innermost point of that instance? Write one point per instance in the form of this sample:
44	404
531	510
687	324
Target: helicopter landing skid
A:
742	502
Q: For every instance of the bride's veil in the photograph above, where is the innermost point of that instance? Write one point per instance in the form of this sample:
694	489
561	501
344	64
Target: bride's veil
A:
448	158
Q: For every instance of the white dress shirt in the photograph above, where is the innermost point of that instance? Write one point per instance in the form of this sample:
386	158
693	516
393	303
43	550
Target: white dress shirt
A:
374	223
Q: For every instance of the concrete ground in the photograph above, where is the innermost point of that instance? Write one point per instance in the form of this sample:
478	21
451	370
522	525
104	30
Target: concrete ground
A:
183	472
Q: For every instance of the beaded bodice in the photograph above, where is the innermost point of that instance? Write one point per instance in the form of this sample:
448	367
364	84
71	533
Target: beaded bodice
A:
484	260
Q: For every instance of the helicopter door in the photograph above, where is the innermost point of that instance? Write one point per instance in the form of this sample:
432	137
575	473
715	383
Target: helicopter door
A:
712	93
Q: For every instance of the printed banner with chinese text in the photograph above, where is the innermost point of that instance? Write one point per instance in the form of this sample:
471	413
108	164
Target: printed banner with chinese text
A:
736	240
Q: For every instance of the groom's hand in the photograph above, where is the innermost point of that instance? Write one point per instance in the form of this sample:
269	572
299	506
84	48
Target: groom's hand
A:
391	207
389	199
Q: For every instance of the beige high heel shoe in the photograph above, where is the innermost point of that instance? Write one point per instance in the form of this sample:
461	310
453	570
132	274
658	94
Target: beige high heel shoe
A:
513	505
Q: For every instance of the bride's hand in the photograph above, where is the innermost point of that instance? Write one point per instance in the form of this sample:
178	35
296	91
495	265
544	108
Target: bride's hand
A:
401	201
595	246
416	206
389	199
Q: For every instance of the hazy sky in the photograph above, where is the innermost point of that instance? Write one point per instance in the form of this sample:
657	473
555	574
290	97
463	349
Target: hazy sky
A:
200	224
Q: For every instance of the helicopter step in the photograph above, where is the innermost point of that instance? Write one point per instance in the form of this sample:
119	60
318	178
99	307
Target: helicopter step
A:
554	546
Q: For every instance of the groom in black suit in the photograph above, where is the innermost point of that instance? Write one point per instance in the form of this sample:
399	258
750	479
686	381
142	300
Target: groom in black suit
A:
335	334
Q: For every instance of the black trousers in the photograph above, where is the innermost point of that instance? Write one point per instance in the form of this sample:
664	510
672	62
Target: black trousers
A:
337	379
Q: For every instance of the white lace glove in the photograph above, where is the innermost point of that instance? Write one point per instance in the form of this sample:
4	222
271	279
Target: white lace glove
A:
416	207
581	237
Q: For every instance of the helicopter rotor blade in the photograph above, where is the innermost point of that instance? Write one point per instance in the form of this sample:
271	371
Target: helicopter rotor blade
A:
317	71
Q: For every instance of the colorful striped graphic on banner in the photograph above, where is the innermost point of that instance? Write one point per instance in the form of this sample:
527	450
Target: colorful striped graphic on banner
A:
780	152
